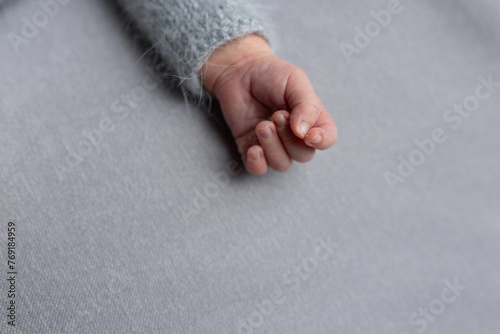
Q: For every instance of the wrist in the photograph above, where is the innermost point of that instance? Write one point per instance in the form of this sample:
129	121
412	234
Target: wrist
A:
229	57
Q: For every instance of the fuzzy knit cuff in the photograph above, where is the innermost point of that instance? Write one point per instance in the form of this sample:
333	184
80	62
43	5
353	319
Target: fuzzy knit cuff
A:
186	32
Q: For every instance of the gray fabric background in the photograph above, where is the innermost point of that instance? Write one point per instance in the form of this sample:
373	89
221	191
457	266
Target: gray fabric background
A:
113	244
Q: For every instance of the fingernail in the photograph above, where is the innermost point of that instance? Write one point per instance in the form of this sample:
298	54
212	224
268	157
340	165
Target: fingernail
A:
265	132
304	128
280	121
316	140
255	156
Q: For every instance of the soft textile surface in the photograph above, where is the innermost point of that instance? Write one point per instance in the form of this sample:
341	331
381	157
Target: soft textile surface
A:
122	227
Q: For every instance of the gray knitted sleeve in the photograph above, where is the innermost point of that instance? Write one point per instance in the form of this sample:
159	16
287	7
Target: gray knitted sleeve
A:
185	32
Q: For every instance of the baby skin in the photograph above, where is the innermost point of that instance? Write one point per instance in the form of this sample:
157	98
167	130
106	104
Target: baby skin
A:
269	105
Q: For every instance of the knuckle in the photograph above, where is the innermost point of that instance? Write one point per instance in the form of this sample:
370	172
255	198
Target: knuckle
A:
244	144
262	124
297	71
333	137
304	157
283	167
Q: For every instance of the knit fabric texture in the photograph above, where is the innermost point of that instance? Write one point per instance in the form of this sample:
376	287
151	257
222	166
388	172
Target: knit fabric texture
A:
186	32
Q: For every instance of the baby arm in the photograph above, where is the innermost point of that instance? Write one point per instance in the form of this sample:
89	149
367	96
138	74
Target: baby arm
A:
215	45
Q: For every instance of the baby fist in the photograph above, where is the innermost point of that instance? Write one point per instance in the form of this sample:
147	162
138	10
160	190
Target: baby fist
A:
270	105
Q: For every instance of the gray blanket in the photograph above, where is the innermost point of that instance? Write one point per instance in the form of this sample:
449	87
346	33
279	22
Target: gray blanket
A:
132	214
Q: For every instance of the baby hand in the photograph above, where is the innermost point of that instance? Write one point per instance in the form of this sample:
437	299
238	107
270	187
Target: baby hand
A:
270	105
